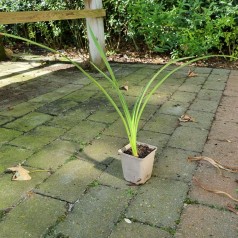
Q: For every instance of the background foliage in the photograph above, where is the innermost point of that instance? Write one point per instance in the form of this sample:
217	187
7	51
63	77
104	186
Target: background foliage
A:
175	27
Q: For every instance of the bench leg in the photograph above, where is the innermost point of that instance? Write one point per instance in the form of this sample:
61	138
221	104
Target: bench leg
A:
3	55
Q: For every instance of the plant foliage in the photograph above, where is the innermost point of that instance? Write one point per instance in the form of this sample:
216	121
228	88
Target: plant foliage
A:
130	118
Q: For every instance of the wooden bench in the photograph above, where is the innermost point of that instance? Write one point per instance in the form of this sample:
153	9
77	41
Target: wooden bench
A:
93	13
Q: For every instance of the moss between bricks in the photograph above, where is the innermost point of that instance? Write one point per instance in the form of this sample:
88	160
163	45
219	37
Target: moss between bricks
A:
190	201
51	230
2	214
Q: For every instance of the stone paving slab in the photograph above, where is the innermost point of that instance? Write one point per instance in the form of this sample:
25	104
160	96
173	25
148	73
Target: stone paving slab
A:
157	139
57	107
84	132
214	220
202	221
113	176
106	116
5	119
162	123
227	111
58	120
38	138
12	156
201	120
210	95
118	126
124	230
232	86
28	122
11	192
54	94
224	131
72	118
7	135
202	70
159	203
53	155
214	85
223	151
174	108
188	138
19	110
173	164
169	89
199	105
185	97
102	150
71	180
79	95
95	213
31	217
158	99
200	79
212	179
189	87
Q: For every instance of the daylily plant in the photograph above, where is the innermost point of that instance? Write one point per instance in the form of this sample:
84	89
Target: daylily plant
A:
130	118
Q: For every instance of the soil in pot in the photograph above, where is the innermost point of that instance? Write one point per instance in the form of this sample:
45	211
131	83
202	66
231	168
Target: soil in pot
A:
143	151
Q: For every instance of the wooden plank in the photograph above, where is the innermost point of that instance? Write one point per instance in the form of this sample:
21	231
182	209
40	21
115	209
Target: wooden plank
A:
36	16
97	26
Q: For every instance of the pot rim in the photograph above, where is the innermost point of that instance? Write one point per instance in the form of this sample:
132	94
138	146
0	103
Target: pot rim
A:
126	147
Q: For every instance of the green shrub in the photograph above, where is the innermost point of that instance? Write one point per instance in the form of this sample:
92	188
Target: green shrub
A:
53	33
185	27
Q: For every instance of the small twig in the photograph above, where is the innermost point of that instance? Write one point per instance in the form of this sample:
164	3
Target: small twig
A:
232	209
214	163
214	191
191	73
39	170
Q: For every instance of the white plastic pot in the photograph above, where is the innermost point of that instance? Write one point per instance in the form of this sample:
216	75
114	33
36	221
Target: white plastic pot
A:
137	170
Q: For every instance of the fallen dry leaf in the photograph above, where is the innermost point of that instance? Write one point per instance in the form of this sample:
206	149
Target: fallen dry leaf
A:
10	108
9	53
215	163
19	173
232	209
186	118
30	194
127	220
124	87
191	73
214	191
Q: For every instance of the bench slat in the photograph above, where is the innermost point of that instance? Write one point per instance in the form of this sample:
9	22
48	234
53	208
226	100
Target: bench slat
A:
36	16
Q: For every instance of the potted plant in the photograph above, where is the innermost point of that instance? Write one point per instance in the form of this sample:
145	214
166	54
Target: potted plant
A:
137	158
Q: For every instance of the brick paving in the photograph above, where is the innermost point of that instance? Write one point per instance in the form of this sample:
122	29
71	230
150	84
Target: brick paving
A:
52	118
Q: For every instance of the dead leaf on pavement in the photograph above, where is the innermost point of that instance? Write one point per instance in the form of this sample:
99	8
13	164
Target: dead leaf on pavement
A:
232	209
10	108
124	87
186	118
214	191
215	164
9	53
191	73
19	173
127	220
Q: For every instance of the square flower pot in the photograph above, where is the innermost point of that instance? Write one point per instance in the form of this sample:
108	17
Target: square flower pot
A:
137	170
